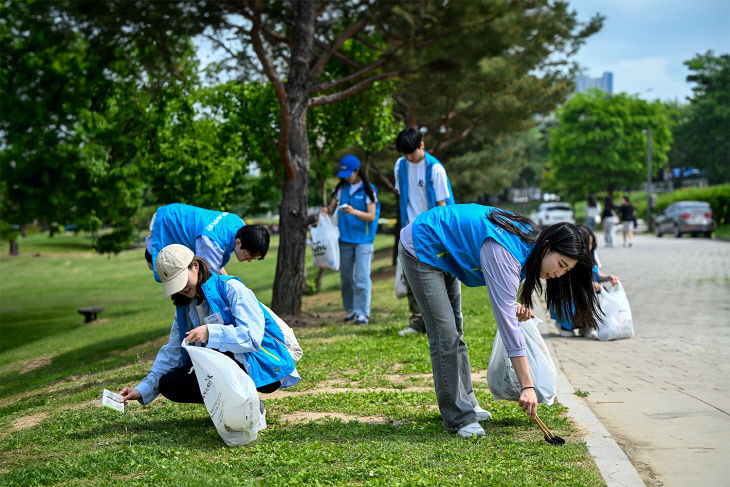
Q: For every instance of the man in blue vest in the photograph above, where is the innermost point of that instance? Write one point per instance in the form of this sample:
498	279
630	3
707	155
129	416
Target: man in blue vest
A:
422	184
212	235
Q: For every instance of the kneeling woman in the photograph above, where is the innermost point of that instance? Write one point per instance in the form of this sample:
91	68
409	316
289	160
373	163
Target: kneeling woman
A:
217	312
484	246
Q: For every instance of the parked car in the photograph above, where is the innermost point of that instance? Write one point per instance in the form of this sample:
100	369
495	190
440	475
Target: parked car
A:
549	213
680	217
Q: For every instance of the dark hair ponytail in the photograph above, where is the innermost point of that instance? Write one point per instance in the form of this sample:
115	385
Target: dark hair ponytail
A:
575	286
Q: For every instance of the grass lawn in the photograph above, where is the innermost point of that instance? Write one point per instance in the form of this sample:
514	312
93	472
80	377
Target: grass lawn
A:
364	414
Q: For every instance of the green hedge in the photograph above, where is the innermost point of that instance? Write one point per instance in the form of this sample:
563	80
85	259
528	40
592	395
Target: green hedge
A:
717	196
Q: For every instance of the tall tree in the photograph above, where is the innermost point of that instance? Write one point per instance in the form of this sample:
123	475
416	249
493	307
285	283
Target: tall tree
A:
600	144
708	130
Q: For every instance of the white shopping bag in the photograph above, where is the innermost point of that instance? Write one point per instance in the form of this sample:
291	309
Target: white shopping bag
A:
400	286
325	244
229	394
617	321
291	343
501	375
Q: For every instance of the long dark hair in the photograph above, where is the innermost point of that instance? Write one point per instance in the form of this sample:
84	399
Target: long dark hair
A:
365	184
575	286
179	299
588	235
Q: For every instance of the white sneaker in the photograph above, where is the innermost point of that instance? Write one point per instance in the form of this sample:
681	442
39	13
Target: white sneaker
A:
482	414
262	416
588	333
408	331
361	320
566	333
471	429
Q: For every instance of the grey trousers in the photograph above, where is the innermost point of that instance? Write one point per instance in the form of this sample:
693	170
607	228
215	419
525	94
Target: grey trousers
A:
438	295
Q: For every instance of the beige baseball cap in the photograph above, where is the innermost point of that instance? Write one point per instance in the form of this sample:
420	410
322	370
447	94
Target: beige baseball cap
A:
172	264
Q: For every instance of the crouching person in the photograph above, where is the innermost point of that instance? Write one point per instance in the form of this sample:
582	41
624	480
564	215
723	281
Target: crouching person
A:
217	312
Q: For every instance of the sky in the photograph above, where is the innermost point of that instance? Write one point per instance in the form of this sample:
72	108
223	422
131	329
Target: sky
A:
644	43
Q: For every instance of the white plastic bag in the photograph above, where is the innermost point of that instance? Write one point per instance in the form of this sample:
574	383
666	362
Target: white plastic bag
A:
617	322
501	375
325	244
400	286
229	394
295	350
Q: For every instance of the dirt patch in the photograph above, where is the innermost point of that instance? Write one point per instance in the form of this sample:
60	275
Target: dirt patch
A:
27	422
36	363
307	416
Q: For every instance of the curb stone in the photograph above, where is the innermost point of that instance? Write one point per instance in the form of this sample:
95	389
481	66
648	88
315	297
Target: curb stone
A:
615	467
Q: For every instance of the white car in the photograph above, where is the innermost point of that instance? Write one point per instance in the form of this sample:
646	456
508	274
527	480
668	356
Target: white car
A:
549	213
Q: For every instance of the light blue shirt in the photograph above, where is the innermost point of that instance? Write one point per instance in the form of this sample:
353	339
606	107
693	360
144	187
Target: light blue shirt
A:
244	336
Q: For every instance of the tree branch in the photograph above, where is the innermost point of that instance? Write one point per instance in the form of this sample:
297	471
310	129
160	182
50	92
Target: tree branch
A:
335	97
351	30
337	82
279	89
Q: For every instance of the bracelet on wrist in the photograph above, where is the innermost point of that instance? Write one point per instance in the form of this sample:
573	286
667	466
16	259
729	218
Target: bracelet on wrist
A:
527	387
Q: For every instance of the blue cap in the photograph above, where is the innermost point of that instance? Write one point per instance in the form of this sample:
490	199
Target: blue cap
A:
348	164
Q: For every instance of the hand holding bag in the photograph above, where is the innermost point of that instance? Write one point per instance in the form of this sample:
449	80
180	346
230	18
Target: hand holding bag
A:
325	244
501	375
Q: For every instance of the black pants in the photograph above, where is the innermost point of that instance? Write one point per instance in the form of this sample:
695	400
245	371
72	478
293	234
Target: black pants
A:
180	386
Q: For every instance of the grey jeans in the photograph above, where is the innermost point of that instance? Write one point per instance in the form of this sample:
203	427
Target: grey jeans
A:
438	295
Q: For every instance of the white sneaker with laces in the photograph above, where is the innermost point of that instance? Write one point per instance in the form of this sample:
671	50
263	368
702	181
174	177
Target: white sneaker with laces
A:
361	320
471	429
482	414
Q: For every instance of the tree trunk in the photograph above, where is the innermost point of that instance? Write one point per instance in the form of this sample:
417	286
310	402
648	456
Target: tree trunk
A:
290	280
14	247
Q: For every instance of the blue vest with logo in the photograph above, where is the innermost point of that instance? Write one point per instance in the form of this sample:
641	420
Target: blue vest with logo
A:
183	224
451	237
353	229
430	193
271	362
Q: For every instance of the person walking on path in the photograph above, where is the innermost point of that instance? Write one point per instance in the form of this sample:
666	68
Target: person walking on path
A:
212	235
607	216
218	312
484	246
421	183
628	219
593	213
357	222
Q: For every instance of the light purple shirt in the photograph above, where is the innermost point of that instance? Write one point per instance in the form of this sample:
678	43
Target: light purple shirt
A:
502	277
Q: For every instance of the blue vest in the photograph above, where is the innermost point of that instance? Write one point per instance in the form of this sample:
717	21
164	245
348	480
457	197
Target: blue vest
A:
430	193
451	237
353	229
271	362
183	224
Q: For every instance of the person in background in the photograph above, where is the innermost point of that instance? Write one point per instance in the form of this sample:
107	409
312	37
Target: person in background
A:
593	213
357	222
565	325
210	234
484	246
218	312
628	220
421	183
608	215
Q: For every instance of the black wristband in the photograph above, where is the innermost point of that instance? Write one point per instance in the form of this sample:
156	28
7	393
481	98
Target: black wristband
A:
527	387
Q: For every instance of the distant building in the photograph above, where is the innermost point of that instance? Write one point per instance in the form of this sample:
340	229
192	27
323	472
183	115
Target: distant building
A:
605	83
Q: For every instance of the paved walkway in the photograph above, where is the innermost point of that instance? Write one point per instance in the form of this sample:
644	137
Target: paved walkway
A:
664	395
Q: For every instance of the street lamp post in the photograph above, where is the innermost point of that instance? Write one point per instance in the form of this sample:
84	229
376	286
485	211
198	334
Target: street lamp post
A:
648	177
